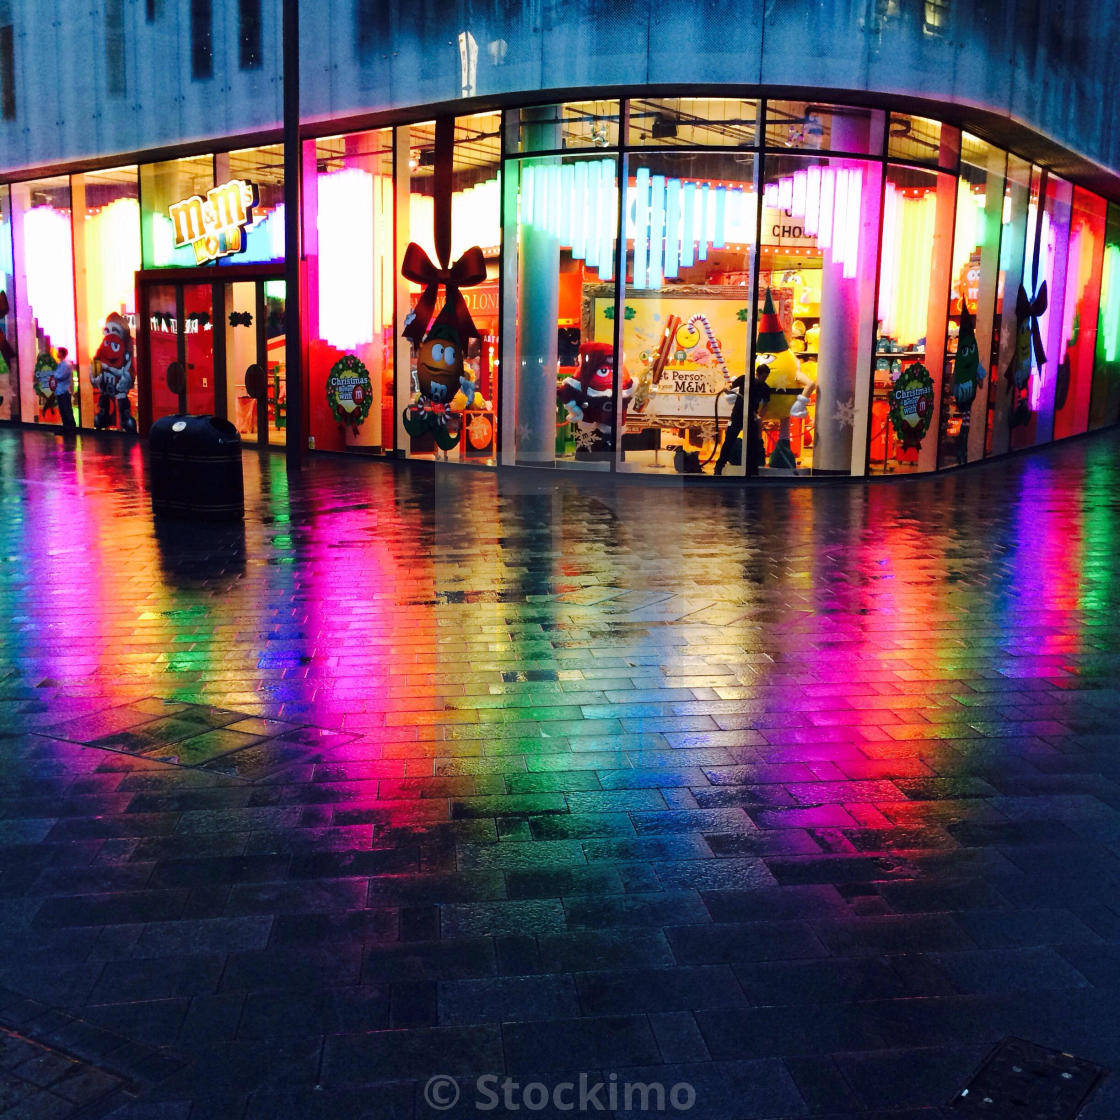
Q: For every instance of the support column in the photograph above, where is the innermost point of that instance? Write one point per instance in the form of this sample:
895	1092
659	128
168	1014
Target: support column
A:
538	289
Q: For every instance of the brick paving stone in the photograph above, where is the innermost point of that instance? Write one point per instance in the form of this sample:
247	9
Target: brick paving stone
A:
806	797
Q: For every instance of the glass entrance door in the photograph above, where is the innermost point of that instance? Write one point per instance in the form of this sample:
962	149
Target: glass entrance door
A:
254	335
209	334
181	337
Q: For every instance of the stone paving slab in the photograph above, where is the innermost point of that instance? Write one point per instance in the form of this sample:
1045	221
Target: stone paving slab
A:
804	798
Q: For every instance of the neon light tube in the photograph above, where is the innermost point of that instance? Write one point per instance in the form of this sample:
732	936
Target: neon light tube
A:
656	231
672	227
688	230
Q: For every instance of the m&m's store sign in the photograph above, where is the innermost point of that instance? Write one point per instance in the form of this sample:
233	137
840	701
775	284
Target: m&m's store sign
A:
214	225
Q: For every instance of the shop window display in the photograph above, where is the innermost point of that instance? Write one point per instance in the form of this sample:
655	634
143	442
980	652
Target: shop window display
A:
9	360
819	232
1084	263
261	239
687	313
1039	311
560	268
1001	389
107	256
351	289
162	186
973	286
1104	407
44	256
447	402
914	268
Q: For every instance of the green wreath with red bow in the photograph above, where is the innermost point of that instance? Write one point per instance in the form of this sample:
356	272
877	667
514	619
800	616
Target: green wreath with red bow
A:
349	391
48	402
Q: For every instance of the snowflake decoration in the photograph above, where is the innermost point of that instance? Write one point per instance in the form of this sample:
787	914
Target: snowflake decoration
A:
523	433
845	413
587	437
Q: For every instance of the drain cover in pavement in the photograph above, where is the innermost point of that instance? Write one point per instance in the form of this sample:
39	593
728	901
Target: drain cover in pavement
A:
196	735
1022	1081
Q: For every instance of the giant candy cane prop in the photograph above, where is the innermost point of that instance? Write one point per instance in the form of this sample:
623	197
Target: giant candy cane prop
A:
713	344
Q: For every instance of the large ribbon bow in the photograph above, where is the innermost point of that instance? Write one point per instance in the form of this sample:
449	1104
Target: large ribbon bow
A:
468	270
1027	308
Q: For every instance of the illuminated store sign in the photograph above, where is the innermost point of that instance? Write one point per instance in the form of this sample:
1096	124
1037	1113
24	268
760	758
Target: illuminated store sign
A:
214	224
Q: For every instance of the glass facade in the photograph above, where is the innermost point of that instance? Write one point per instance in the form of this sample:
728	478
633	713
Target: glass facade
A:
9	356
43	255
652	285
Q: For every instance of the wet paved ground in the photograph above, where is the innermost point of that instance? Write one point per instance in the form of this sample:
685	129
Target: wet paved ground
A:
801	799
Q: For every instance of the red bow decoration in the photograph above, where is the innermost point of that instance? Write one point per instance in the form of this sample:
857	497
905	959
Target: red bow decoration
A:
1026	307
468	270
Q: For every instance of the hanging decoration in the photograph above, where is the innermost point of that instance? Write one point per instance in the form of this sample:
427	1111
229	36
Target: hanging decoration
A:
349	391
1028	350
439	363
968	373
911	405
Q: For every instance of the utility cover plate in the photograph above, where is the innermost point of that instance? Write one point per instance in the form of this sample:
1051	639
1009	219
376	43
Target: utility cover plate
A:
1022	1081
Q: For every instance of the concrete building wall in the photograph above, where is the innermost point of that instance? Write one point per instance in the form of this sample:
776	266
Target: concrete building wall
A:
1051	66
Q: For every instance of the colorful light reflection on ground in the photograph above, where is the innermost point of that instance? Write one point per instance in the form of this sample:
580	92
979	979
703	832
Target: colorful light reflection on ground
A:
803	796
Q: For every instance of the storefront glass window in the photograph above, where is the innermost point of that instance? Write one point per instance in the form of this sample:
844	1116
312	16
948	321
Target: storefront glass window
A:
1002	390
261	238
914	268
693	122
1084	262
921	140
107	256
173	226
1039	315
447	400
973	282
1105	405
815	308
691	231
9	358
561	259
351	287
582	124
829	128
44	256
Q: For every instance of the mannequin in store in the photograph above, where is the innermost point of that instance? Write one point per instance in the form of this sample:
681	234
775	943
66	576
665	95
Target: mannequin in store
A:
113	376
790	389
587	399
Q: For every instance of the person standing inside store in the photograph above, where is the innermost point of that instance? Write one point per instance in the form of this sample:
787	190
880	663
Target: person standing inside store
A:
63	377
734	426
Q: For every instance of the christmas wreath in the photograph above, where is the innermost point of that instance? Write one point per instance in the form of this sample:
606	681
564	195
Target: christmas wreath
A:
911	405
48	402
349	391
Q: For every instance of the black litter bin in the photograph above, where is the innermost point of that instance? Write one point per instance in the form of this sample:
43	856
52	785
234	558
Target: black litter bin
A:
195	468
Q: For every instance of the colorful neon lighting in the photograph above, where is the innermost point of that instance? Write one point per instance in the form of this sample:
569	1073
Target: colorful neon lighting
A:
112	256
345	229
908	226
48	254
1110	303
